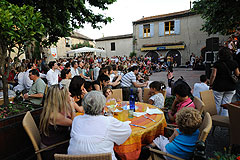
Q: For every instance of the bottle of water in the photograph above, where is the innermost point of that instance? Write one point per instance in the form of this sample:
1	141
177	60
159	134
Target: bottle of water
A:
132	105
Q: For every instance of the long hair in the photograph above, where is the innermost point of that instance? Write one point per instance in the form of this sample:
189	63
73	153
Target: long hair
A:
56	101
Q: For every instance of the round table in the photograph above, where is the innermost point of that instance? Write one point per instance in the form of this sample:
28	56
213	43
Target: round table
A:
131	148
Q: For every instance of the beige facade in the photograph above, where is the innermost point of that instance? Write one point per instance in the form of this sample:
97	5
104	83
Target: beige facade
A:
189	38
115	45
64	45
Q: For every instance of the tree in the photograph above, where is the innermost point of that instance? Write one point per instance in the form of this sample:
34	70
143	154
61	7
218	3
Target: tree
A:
220	16
63	16
19	26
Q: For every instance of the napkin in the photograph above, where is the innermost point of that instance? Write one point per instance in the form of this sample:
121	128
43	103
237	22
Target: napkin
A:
117	110
128	122
154	111
138	114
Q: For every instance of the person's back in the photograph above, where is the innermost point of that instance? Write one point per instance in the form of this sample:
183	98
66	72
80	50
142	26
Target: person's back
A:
199	87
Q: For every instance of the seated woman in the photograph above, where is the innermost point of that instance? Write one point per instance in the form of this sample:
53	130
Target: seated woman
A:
66	77
107	92
77	90
97	133
102	81
182	142
56	120
181	101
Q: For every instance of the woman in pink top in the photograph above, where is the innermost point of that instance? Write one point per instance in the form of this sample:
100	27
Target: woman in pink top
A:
181	101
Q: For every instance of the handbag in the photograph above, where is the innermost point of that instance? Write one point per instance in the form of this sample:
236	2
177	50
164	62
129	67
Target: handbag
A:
232	75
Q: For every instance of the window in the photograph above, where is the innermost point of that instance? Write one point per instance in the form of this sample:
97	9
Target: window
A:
146	30
113	46
169	28
68	42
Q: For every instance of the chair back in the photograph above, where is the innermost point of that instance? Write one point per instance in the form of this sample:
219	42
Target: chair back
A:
146	94
205	127
234	118
198	104
30	127
209	101
117	94
102	156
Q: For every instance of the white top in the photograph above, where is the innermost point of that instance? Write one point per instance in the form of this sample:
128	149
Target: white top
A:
74	72
158	100
96	73
97	134
27	82
20	85
128	78
199	87
52	77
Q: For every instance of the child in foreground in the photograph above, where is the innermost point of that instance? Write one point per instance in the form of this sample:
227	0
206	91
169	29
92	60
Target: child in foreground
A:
182	142
157	98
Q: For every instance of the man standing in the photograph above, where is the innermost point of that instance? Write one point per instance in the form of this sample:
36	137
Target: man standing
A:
129	80
52	75
96	71
199	87
74	69
36	92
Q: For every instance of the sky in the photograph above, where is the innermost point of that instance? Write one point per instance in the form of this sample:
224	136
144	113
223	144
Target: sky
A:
124	12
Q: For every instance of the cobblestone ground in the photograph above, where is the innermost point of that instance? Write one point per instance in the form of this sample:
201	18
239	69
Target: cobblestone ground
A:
215	142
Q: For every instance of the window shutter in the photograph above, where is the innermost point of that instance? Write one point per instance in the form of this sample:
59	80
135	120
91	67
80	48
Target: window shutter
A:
151	29
177	26
161	29
140	31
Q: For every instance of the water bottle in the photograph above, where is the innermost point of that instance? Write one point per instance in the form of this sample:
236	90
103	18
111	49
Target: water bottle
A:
132	105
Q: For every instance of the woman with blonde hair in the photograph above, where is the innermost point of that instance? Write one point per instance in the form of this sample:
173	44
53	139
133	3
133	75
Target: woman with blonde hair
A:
56	119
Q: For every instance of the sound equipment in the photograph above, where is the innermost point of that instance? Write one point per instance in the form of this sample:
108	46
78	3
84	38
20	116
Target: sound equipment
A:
212	44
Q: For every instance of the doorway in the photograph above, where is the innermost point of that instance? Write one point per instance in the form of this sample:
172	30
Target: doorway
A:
176	56
153	55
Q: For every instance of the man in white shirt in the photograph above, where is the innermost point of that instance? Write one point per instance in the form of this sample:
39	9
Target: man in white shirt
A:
27	82
96	71
52	75
74	69
199	87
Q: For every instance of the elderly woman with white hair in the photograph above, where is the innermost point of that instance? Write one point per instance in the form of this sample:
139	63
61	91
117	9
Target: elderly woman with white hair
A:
94	133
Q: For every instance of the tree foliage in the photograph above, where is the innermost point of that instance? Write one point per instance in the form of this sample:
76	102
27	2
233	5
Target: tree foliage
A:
63	16
220	16
19	26
80	45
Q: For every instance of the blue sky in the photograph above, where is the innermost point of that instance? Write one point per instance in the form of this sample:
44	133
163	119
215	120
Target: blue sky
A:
124	12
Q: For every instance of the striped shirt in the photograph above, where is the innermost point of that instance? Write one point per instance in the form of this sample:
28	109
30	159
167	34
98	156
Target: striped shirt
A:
127	79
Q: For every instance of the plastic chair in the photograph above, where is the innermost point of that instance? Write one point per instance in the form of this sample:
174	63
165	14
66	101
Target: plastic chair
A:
234	118
198	104
102	156
210	106
117	94
30	127
204	129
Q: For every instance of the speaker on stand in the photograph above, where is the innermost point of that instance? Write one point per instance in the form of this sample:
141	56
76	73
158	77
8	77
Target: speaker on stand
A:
212	47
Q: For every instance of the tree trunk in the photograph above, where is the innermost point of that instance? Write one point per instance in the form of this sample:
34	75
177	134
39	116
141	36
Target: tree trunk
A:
5	90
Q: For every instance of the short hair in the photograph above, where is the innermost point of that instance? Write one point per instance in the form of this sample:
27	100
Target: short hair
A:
75	86
188	120
88	85
93	103
103	77
67	65
114	67
203	78
51	64
73	63
182	90
64	72
134	68
157	85
34	72
109	68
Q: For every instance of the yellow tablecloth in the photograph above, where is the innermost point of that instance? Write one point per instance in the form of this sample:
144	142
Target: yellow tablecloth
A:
131	149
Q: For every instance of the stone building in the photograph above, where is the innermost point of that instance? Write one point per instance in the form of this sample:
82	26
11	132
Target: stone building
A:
115	45
176	34
64	45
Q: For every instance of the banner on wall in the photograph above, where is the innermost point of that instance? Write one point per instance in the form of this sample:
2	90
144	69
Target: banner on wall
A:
53	52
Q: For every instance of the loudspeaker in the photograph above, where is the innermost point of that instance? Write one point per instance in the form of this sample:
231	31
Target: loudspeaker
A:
212	44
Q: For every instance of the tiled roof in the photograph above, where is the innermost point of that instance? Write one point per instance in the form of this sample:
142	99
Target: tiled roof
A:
115	37
80	36
164	16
